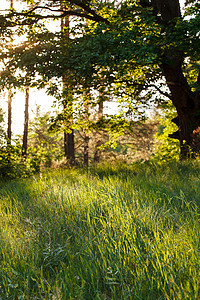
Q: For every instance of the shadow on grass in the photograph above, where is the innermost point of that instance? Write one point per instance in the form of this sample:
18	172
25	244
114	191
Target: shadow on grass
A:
67	238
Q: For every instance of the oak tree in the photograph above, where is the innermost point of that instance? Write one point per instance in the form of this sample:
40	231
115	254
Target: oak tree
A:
144	49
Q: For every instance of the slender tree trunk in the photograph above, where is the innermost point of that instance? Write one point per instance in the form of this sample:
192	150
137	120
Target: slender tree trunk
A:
98	137
85	135
10	102
69	148
9	115
86	150
26	119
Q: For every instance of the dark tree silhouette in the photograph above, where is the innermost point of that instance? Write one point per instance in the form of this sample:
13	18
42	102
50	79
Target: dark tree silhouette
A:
68	137
26	119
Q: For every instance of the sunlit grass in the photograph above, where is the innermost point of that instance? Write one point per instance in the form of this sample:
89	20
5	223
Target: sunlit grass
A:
114	232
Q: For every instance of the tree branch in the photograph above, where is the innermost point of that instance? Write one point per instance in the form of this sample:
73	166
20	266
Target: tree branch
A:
86	8
160	91
131	83
89	14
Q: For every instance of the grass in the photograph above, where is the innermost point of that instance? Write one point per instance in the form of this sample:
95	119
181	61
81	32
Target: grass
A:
114	232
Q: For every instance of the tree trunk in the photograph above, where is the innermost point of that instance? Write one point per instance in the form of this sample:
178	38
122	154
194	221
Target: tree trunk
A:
187	105
9	115
85	133
10	102
85	150
26	118
68	137
186	102
69	146
97	152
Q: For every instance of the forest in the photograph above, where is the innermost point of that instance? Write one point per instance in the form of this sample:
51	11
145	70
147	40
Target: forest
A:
99	196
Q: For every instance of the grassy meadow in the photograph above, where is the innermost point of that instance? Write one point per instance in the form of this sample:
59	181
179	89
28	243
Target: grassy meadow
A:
112	232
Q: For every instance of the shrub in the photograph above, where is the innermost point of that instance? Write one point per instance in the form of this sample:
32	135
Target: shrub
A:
166	148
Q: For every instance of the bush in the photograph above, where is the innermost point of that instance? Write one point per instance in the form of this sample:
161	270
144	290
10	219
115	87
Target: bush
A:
12	165
166	148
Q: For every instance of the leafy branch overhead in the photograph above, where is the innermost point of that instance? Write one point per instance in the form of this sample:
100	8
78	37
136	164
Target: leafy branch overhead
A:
141	51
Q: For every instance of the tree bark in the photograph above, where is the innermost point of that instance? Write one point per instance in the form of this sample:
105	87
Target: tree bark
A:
86	150
85	133
9	132
186	102
9	115
97	151
68	137
69	146
26	119
187	106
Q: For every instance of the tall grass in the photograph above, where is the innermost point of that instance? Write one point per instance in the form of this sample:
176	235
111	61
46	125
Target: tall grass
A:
114	232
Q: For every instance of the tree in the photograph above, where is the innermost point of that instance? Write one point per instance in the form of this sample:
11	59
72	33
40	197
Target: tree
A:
85	132
97	151
45	144
68	136
186	102
26	119
136	46
2	129
166	149
9	133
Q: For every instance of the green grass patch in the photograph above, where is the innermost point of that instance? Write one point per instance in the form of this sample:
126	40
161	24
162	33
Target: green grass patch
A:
113	232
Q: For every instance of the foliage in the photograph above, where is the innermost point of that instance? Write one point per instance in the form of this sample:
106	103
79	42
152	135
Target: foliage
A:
44	143
101	53
166	149
135	144
115	232
2	129
12	165
128	47
126	50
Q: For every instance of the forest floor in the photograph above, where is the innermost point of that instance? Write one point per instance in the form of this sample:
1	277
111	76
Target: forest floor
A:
110	232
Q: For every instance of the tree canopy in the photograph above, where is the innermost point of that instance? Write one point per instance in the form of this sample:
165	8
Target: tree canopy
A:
140	51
